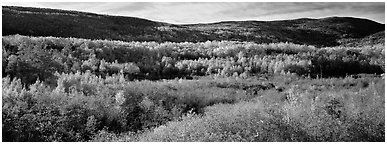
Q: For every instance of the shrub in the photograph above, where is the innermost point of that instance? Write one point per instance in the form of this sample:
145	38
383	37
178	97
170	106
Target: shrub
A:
338	116
343	115
40	113
222	122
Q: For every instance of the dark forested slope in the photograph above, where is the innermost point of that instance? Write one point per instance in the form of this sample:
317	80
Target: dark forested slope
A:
329	31
374	39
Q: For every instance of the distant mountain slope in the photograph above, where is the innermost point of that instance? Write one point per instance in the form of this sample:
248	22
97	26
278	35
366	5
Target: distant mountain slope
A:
374	39
60	23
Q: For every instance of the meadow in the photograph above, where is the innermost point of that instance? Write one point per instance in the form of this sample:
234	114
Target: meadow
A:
72	89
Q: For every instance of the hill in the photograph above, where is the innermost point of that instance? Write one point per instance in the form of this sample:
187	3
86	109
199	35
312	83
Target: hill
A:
331	31
373	39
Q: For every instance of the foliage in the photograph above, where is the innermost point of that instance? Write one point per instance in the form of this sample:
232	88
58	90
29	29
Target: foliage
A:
60	23
70	89
83	105
32	58
301	116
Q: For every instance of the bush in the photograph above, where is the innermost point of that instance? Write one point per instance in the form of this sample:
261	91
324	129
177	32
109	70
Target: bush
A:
337	116
303	116
299	70
222	122
40	113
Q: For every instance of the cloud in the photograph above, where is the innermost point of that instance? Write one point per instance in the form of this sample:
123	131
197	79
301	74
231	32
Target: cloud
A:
204	12
121	7
275	11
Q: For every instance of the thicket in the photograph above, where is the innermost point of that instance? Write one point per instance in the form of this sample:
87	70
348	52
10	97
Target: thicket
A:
83	104
298	114
69	89
32	58
86	107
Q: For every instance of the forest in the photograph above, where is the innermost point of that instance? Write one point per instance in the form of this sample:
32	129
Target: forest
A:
75	89
321	32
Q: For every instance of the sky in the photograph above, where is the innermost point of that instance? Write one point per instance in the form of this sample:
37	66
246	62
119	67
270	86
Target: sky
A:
208	12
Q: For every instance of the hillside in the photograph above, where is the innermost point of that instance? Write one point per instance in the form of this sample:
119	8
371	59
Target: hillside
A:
374	39
60	23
